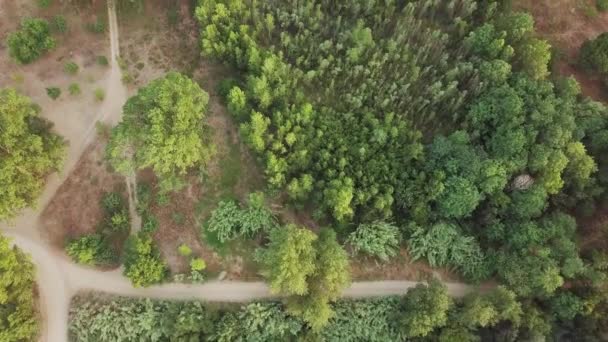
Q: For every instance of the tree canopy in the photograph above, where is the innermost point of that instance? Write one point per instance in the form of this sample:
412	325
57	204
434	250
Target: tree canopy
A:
29	151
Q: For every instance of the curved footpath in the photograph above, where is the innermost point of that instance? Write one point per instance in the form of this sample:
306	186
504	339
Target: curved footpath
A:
59	279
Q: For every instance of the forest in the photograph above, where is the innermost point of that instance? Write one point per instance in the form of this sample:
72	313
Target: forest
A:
441	128
441	118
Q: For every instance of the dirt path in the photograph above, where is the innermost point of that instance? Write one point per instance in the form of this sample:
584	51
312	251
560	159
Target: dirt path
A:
59	279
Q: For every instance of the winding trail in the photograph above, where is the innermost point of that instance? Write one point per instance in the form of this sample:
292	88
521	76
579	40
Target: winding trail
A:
59	279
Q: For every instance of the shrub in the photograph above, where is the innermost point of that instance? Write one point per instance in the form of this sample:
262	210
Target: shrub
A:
150	223
102	60
112	202
59	24
119	221
594	54
90	250
228	221
44	3
602	5
53	92
31	41
184	250
197	265
71	68
378	239
100	94
143	265
97	27
74	89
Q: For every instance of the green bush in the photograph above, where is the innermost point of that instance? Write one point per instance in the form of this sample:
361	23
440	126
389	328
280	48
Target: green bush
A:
97	27
602	5
594	54
184	250
31	41
53	92
59	24
112	202
44	3
228	221
90	250
102	60
71	68
143	265
378	239
149	223
100	94
74	89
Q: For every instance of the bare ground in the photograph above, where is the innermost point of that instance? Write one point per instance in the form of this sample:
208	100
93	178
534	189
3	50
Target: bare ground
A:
567	24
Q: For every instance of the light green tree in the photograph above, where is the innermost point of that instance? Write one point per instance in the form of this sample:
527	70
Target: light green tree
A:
162	128
28	152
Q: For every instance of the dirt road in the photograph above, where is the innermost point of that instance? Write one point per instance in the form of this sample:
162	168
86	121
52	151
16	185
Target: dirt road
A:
59	279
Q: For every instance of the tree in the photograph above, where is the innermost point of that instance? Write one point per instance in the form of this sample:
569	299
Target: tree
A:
143	265
90	250
289	259
379	239
332	275
594	54
18	318
28	153
31	41
424	308
162	128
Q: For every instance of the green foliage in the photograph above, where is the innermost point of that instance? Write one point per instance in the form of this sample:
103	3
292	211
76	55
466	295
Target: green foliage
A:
143	265
29	151
98	27
602	5
91	250
424	309
162	129
71	68
59	24
444	245
44	3
53	92
99	94
122	320
594	54
197	265
31	41
74	89
566	306
18	318
289	259
102	60
379	239
228	221
184	250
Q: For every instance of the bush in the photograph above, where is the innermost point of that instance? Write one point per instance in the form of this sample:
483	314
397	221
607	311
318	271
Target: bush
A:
31	41
71	68
594	54
112	202
90	250
100	94
59	24
228	221
102	60
97	27
378	239
74	89
184	250
197	265
53	92
143	265
602	5
44	3
150	223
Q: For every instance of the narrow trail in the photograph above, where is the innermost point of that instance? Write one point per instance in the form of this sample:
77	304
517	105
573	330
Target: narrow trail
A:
59	279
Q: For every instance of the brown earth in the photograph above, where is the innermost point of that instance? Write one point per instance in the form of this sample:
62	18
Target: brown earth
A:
567	24
75	209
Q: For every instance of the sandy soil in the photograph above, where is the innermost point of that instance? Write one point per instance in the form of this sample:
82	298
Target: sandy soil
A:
567	24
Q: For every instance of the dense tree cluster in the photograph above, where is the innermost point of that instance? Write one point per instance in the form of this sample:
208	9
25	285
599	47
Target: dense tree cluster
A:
18	317
29	151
